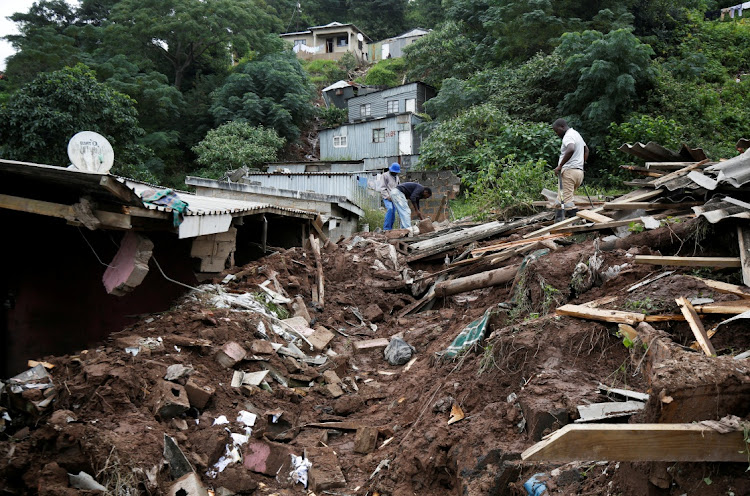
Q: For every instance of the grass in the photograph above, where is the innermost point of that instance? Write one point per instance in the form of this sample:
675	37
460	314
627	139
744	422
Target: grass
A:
373	217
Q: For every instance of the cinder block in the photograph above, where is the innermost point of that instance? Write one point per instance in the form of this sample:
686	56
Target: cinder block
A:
171	400
188	485
370	344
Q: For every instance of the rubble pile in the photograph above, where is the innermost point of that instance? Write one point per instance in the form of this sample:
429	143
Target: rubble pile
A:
456	361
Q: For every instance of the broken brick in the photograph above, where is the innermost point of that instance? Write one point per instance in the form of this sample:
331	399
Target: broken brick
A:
261	347
264	457
171	400
334	390
373	313
320	338
366	440
230	354
198	395
370	344
325	472
331	377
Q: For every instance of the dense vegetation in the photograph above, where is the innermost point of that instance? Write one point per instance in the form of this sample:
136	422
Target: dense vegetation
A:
190	86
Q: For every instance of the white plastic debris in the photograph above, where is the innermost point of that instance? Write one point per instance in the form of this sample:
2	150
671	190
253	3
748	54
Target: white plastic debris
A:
247	418
300	468
85	481
232	455
239	439
133	350
221	420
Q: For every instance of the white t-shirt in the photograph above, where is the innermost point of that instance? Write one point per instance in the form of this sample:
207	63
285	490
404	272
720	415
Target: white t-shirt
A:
576	161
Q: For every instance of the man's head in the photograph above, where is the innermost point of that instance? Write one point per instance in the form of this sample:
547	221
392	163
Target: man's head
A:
394	168
560	126
426	193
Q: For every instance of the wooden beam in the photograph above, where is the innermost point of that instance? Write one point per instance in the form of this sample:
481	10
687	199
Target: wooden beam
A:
743	236
639	443
320	288
724	287
145	212
594	216
688	261
318	226
695	325
668	165
476	281
601	314
649	281
650	206
643	171
724	307
108	219
678	173
511	244
118	189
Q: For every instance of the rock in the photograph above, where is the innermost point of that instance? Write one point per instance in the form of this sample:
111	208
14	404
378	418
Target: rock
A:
177	371
366	440
171	400
334	390
425	226
373	313
325	472
331	377
398	351
230	354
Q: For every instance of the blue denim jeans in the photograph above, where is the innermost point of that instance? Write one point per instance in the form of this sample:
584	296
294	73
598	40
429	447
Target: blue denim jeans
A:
402	207
390	215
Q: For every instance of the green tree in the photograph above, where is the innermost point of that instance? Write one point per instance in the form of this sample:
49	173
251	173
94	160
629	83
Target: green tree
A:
234	145
379	19
273	91
426	14
41	117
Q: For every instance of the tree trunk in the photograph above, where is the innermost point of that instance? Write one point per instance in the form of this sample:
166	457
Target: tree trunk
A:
477	281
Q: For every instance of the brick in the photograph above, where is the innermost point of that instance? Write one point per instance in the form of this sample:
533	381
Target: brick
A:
198	395
230	354
261	347
171	400
325	472
334	390
373	313
264	457
320	338
331	377
370	344
188	485
300	309
365	440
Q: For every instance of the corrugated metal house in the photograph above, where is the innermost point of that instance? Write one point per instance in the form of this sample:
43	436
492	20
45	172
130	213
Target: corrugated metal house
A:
338	93
329	42
394	47
405	98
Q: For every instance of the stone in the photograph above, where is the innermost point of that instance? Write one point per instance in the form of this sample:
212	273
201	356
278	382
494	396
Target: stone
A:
300	309
264	457
373	313
365	440
188	485
129	267
198	395
179	424
320	338
334	390
331	377
325	472
261	347
425	226
230	354
370	344
171	400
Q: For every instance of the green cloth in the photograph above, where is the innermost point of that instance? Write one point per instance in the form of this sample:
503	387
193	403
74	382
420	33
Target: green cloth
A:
167	198
469	336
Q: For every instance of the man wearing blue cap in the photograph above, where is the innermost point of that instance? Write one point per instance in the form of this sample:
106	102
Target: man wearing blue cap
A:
387	182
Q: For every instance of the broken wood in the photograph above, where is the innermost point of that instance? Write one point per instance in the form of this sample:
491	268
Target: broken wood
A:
743	236
696	325
318	226
625	393
724	287
315	245
677	174
650	206
601	314
644	171
639	443
511	244
649	281
612	409
476	281
594	216
724	307
688	261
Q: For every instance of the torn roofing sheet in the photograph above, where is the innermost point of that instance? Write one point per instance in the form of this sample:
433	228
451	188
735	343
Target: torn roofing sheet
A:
654	152
716	210
735	171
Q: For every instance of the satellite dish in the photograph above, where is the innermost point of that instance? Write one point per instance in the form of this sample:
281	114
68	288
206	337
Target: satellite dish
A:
360	37
91	152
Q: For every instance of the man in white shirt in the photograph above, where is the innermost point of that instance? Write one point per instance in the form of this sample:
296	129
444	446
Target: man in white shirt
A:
573	154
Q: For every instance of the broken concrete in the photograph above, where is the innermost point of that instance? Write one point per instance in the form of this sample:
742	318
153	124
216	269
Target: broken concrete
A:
130	266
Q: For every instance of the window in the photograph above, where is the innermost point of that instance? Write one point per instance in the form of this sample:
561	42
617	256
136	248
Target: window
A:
339	141
364	110
300	42
411	105
378	135
392	106
342	41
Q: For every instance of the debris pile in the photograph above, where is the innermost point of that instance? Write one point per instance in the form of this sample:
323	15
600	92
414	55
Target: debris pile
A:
479	358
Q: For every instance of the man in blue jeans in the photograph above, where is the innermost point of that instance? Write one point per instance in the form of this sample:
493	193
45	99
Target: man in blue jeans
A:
405	193
387	182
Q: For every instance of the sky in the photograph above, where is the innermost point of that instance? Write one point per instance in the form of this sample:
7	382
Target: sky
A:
9	7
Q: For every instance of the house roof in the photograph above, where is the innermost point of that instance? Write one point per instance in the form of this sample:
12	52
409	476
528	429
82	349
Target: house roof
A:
339	84
330	25
413	32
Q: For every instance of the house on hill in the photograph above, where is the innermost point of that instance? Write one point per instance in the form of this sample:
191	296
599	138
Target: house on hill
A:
329	42
394	47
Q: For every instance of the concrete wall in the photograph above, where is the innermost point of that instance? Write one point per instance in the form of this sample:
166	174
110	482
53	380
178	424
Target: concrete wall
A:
442	183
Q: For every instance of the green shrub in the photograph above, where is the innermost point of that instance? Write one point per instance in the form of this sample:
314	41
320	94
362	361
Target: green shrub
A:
324	72
389	72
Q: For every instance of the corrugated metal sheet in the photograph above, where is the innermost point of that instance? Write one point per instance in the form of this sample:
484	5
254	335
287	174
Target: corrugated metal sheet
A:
735	171
654	152
359	137
716	210
378	100
353	187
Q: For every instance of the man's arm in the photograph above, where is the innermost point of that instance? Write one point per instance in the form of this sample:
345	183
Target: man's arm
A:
414	198
383	188
569	150
585	153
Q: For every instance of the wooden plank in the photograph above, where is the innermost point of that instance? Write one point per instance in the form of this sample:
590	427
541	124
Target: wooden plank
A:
118	189
724	287
318	226
743	236
695	325
509	244
649	281
663	318
650	206
643	171
724	307
601	314
593	216
639	443
600	301
315	244
688	261
668	165
678	173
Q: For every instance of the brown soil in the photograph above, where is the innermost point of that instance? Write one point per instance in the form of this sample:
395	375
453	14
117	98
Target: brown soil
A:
523	382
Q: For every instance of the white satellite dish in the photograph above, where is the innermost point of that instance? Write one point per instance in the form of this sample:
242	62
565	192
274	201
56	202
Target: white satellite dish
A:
91	152
360	37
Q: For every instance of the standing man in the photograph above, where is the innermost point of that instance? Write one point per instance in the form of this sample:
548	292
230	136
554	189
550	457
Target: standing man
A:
386	182
573	154
414	192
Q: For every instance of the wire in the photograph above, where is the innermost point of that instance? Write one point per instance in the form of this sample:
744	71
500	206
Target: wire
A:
296	8
94	251
172	280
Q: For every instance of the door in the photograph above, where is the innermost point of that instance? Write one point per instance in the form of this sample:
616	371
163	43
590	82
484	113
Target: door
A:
329	45
404	142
